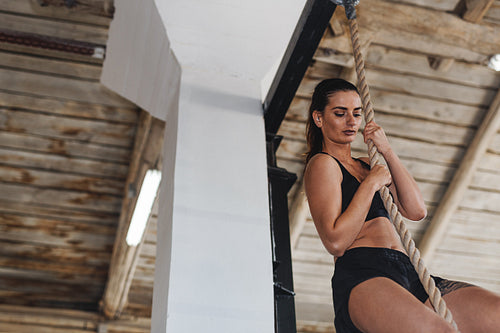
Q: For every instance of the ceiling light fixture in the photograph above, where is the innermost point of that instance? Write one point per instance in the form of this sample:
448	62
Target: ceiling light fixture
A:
494	62
143	207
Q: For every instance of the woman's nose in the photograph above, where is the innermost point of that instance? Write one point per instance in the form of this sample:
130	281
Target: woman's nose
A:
350	119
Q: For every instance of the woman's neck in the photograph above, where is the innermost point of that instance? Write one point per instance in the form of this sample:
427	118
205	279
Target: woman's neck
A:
340	152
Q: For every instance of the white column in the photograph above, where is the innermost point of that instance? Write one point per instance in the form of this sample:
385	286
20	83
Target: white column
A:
220	253
213	266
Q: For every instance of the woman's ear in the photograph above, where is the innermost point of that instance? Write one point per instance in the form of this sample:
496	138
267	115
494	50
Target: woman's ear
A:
317	118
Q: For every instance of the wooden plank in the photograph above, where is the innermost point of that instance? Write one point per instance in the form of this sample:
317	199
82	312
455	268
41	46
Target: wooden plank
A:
304	326
54	28
57	180
27	328
33	8
50	53
400	35
381	57
88	131
77	110
50	66
490	162
424	151
128	326
125	257
494	13
444	91
74	165
40	292
47	252
482	200
472	266
485	181
423	108
53	271
443	5
33	313
67	148
454	195
312	311
60	88
474	10
333	57
452	30
62	198
56	233
426	43
494	146
98	218
303	269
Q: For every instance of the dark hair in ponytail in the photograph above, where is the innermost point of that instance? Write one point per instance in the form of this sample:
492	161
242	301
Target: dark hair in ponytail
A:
322	92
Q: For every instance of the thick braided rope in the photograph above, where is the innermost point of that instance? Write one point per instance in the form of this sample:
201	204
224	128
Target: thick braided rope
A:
434	294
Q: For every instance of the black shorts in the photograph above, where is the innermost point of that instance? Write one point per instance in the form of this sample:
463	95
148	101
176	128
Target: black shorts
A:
363	263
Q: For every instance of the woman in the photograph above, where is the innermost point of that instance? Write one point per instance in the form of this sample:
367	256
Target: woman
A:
375	286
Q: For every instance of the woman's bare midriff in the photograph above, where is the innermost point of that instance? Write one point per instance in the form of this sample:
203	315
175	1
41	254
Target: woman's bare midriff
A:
378	232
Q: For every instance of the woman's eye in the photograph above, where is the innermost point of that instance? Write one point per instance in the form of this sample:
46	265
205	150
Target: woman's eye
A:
357	115
339	114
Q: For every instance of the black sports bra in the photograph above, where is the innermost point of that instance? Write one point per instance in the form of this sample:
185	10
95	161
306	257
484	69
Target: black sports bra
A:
349	187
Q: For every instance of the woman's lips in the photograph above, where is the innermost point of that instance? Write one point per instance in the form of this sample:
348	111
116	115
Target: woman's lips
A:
350	132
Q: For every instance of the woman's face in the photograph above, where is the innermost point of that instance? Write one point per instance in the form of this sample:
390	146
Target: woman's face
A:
341	118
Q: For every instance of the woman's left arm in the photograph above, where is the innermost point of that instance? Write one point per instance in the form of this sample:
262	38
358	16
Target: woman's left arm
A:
404	188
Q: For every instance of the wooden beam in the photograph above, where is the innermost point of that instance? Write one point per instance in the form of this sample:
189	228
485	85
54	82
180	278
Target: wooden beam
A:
15	318
397	18
312	24
473	10
440	64
109	7
298	215
461	181
146	155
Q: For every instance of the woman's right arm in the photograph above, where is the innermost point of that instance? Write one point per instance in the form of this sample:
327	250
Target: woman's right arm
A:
322	182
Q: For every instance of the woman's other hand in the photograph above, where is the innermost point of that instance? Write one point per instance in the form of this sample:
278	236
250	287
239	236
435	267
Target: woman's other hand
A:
375	133
379	176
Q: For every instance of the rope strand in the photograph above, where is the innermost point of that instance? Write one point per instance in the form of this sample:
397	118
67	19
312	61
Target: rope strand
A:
430	287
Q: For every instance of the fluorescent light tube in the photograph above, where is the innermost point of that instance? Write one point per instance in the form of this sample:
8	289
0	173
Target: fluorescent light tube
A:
143	207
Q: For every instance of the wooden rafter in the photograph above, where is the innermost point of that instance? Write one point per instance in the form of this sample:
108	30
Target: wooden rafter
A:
461	180
298	215
395	19
473	10
146	155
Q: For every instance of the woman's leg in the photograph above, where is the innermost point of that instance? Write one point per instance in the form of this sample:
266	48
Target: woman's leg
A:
382	305
474	309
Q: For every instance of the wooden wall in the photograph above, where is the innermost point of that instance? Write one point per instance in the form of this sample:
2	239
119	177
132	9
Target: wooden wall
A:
22	319
65	145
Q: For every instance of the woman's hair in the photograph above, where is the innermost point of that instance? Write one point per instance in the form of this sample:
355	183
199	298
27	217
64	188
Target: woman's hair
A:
319	101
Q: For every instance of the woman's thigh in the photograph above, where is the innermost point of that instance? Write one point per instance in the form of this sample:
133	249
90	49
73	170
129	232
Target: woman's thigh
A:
382	305
474	309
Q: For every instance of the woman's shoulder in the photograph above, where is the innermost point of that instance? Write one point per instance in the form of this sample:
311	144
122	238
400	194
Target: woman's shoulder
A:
322	164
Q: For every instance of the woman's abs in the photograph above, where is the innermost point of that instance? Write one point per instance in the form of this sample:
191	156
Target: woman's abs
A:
378	232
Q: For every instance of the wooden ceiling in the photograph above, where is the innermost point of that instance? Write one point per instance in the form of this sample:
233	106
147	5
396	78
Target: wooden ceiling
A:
72	157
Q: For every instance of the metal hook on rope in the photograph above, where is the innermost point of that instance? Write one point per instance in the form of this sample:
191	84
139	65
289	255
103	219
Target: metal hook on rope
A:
349	6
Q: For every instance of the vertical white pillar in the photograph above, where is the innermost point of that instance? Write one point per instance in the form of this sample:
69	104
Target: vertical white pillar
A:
220	253
213	265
